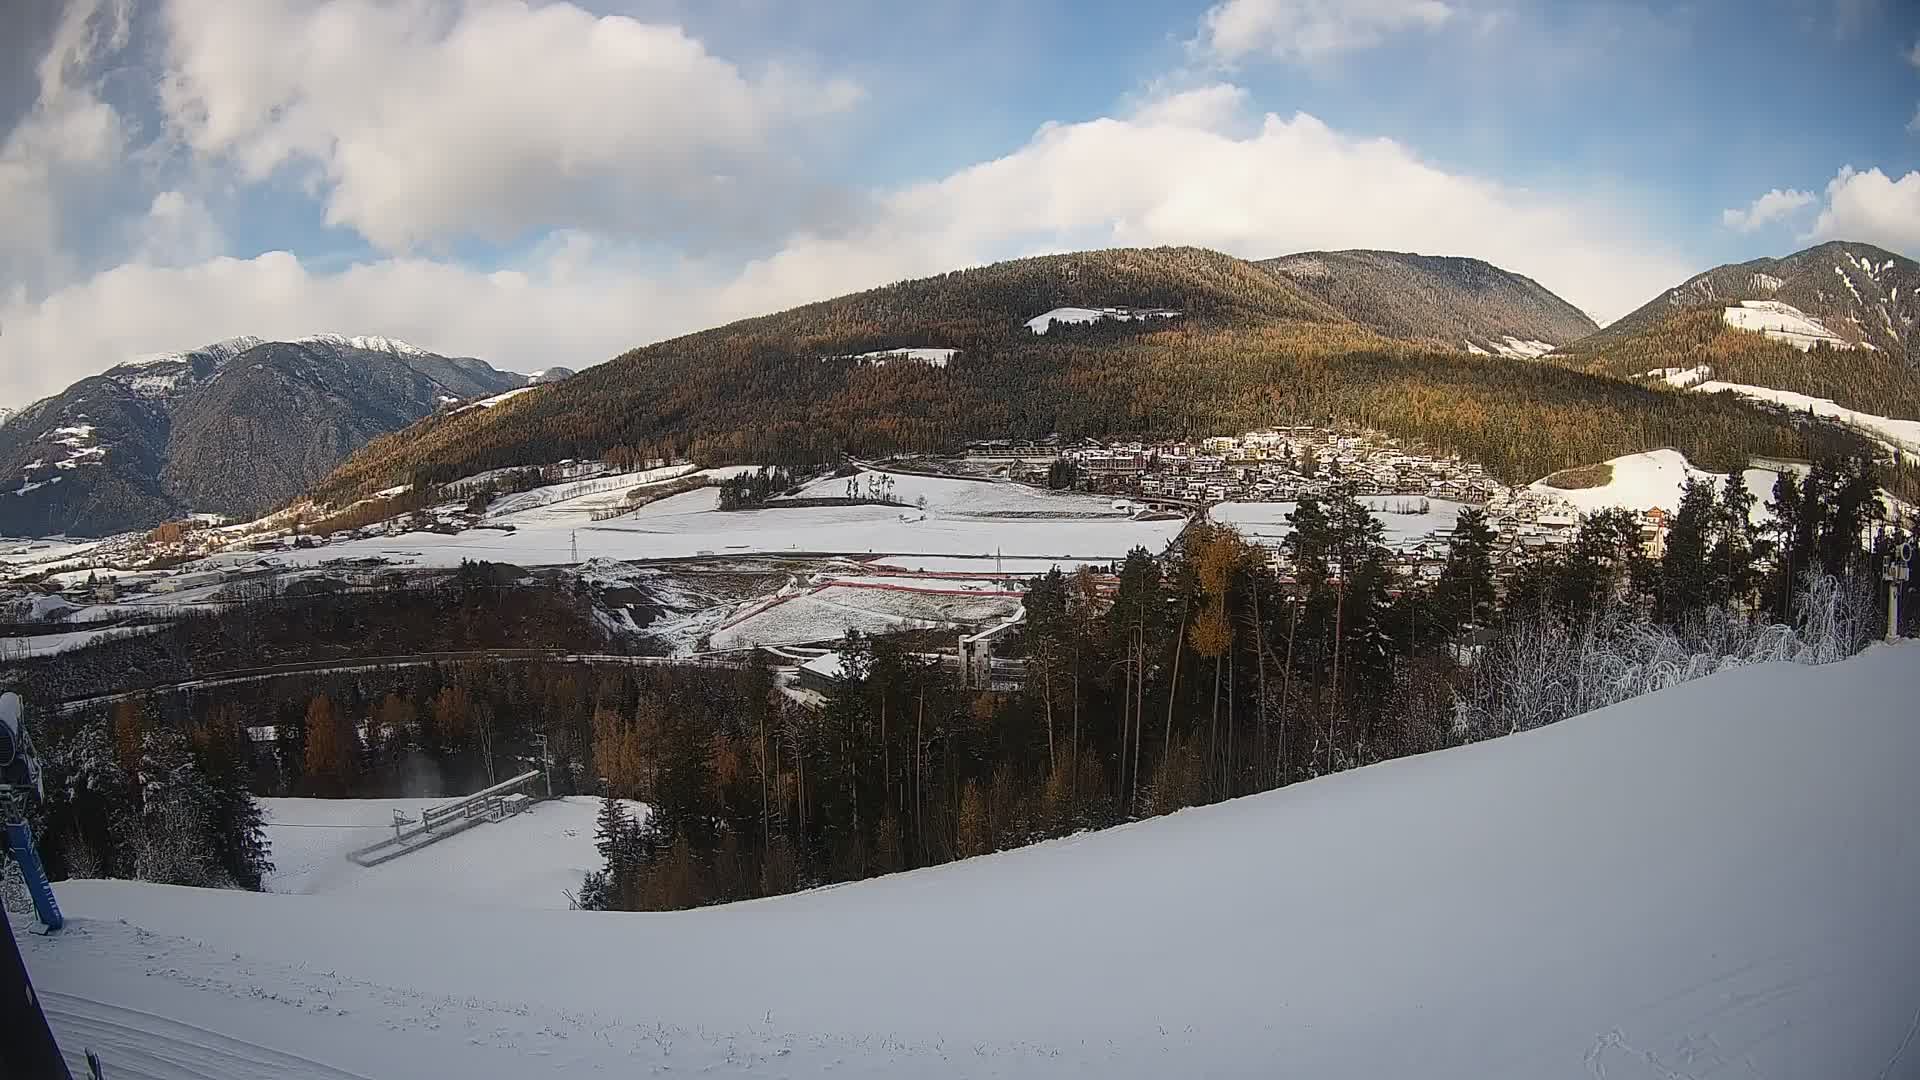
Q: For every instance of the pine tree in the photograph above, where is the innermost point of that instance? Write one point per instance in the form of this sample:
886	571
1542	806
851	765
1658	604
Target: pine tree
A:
1686	576
1736	548
1465	592
223	751
177	845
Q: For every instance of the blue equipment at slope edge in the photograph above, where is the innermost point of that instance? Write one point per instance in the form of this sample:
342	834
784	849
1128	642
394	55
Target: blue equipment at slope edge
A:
20	788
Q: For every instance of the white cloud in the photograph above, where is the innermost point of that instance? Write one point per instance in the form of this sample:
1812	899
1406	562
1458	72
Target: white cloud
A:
1766	209
1292	184
1913	55
563	309
1304	30
1873	208
176	230
423	121
1221	107
1185	170
68	134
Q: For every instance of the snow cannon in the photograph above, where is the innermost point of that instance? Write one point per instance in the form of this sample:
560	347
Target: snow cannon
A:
20	790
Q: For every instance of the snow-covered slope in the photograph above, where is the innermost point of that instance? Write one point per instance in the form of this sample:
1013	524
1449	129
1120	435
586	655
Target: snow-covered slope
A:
1651	479
1040	324
1515	349
1783	322
532	860
1717	880
1903	435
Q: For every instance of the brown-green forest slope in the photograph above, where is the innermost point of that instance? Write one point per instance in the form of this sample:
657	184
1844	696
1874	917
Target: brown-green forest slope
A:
1443	301
1249	349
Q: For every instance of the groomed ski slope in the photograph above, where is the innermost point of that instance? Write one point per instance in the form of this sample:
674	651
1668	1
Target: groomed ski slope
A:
1715	881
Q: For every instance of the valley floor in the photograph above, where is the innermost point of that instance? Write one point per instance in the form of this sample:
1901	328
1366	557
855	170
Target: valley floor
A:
1717	880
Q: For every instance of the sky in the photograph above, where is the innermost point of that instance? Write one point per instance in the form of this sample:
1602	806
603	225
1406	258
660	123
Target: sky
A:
552	183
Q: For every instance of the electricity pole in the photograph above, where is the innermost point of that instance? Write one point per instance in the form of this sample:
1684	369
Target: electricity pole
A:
546	763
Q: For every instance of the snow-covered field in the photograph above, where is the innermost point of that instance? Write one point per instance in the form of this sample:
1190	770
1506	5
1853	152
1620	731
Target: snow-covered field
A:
23	648
1717	880
831	611
1515	349
1783	322
960	518
1040	324
1680	378
929	356
1266	522
531	860
1655	479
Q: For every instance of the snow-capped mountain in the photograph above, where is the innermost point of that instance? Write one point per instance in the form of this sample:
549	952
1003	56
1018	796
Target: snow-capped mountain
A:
1454	303
234	427
549	375
1846	294
6	414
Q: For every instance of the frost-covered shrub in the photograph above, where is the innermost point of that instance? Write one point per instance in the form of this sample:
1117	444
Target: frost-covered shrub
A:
1543	669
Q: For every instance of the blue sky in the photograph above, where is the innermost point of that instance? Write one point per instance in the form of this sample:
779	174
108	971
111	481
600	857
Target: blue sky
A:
541	183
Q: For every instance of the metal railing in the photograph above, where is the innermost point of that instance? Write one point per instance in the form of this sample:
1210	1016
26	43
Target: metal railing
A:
501	801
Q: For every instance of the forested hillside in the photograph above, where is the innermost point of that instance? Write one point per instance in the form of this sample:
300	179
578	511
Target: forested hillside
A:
1452	303
1861	293
1249	349
1865	379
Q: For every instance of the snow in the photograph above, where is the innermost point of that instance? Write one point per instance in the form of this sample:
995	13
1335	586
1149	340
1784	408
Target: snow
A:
928	356
490	402
1266	522
1783	322
1699	882
1477	350
1654	478
1765	282
1681	378
827	613
569	501
220	350
20	648
21	552
1897	434
961	518
371	343
28	487
74	434
1040	324
986	564
551	848
1515	349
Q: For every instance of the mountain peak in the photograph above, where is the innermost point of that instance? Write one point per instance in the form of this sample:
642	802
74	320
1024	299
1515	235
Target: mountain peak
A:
1452	301
368	342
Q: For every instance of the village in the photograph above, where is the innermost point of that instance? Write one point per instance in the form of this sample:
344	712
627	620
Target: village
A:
1253	479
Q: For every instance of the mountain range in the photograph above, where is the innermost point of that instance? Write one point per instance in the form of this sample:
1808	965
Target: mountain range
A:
234	427
1164	342
1834	322
1453	353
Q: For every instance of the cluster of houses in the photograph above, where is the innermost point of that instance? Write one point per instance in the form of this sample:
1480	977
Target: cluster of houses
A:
1303	462
1279	465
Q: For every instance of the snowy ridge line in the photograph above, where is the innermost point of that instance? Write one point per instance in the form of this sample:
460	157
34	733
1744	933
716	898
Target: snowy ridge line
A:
350	666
